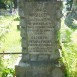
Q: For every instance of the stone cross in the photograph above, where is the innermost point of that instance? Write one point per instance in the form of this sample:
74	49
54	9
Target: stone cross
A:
40	24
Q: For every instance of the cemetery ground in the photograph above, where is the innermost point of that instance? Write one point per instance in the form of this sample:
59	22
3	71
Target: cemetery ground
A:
10	41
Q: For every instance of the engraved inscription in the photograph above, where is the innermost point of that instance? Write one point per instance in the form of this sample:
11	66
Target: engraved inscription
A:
40	30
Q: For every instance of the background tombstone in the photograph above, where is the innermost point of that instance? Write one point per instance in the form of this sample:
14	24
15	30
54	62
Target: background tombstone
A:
40	22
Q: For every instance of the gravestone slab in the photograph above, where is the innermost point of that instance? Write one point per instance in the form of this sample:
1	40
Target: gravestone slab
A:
40	23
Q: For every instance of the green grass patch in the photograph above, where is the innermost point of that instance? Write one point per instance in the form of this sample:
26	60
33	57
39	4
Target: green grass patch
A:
10	42
69	49
12	39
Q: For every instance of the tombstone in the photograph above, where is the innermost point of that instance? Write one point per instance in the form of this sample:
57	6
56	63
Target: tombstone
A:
40	23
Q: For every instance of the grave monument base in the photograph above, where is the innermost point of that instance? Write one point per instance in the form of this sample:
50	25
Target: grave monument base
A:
39	69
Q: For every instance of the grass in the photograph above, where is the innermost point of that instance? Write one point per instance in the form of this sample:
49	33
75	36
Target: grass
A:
69	49
11	41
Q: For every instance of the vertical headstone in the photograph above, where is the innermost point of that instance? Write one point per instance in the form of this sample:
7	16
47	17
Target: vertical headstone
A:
40	23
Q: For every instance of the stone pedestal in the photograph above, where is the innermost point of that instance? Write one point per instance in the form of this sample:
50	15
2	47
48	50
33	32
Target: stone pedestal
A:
40	23
39	69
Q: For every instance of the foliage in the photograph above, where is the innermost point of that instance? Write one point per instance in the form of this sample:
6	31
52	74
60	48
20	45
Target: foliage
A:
8	29
8	3
68	41
70	19
2	4
8	72
1	65
69	4
9	42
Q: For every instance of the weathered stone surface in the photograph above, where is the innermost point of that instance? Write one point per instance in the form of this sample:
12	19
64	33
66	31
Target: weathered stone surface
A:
57	72
25	57
33	57
40	22
55	56
39	69
43	57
